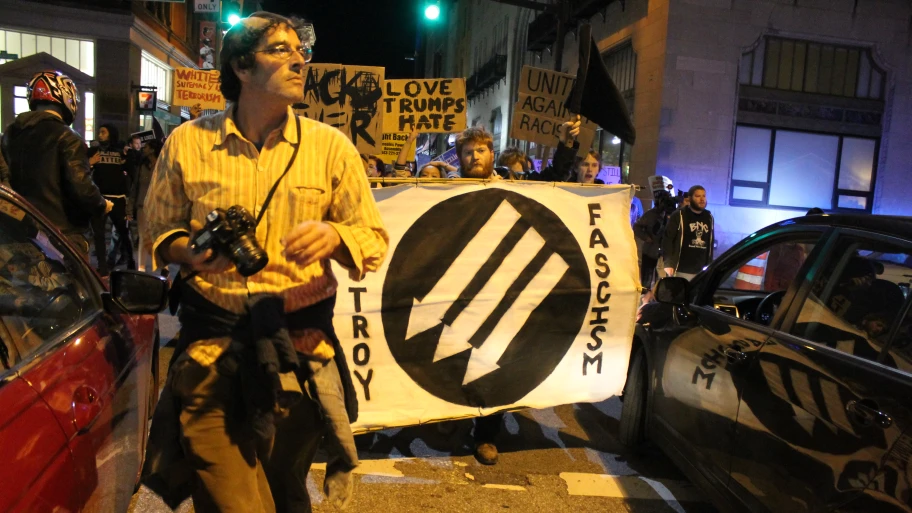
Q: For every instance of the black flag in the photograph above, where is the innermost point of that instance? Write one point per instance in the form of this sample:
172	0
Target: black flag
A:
157	130
594	94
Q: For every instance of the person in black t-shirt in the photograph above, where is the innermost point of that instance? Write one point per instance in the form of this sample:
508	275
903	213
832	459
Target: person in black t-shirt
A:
688	242
110	174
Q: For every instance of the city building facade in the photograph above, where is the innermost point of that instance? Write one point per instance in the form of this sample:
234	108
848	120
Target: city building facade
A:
111	48
774	106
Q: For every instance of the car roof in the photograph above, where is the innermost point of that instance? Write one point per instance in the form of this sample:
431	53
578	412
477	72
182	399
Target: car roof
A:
897	226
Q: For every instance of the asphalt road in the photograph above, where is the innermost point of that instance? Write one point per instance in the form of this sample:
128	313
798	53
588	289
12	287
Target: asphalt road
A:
563	459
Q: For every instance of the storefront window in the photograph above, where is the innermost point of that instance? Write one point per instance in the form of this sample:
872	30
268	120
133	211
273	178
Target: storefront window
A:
78	53
155	73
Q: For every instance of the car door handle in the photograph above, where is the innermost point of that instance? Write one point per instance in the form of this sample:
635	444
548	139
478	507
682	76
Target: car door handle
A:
86	408
734	355
867	415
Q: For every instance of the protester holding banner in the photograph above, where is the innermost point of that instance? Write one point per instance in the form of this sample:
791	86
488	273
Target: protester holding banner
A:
322	210
437	169
475	147
513	163
587	169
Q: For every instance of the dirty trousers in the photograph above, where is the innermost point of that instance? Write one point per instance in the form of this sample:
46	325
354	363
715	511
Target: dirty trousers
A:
236	471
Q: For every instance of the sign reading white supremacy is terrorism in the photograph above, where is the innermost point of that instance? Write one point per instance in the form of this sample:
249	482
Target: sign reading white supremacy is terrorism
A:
493	296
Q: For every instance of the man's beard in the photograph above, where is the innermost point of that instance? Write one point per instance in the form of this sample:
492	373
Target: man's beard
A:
486	171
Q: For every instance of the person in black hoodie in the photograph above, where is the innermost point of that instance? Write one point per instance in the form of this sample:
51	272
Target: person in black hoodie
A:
47	159
109	171
564	155
688	244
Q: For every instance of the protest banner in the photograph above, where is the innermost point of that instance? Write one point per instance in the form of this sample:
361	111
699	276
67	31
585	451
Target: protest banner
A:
427	105
144	136
348	98
392	144
507	304
192	86
540	109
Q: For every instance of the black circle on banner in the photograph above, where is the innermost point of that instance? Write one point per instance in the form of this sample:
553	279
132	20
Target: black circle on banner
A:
425	253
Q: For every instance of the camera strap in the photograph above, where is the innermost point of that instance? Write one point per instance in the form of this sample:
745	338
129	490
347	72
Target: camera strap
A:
275	186
174	294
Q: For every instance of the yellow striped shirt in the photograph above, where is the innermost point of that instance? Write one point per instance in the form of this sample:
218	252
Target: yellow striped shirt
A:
208	164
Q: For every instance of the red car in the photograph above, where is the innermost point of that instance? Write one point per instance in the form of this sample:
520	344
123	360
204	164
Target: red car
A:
78	365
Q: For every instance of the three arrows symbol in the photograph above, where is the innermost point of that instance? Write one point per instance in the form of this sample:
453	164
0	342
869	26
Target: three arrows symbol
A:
428	311
454	339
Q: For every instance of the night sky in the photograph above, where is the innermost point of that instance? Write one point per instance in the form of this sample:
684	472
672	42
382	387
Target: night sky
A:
369	33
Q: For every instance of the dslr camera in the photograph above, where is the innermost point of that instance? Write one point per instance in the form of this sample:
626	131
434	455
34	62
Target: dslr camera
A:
232	233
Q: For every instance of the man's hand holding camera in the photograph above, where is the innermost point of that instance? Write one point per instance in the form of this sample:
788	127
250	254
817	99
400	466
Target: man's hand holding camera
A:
208	261
311	241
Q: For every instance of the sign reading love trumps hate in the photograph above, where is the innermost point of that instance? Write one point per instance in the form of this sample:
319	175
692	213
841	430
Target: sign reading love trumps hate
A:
192	86
436	105
540	109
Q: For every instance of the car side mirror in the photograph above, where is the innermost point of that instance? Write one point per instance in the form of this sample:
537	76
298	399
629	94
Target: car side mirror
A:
138	292
672	291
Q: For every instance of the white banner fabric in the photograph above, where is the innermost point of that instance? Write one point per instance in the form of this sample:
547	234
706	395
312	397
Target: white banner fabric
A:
493	296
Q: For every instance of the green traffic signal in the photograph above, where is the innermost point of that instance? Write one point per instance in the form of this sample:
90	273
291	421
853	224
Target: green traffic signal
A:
432	12
231	12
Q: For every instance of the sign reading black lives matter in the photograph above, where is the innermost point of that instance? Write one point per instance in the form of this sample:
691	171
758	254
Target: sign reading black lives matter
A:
540	109
427	105
348	98
525	296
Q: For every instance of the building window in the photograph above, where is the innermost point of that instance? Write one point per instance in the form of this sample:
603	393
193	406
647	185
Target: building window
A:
89	110
810	67
155	73
161	11
794	169
20	100
78	53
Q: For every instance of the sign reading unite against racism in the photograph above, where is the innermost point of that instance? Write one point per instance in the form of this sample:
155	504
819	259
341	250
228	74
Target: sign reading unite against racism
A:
436	105
192	86
540	110
348	98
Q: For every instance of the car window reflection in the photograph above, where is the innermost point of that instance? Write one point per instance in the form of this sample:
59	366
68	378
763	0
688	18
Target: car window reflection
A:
42	291
856	299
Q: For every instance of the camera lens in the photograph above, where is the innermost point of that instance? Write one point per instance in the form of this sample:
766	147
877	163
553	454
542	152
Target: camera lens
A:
248	256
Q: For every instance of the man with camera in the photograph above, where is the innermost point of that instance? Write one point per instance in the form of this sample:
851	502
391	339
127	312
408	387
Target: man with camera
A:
253	203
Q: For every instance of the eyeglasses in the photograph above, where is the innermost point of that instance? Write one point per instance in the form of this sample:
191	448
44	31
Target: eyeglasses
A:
284	52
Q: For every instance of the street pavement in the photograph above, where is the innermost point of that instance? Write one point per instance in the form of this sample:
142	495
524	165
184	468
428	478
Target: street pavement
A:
562	459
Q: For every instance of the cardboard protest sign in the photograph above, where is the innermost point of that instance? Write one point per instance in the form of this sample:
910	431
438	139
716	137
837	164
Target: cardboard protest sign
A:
427	105
508	304
540	110
348	98
192	86
144	136
392	144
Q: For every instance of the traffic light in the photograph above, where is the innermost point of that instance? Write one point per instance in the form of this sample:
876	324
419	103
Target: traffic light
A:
231	12
432	12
